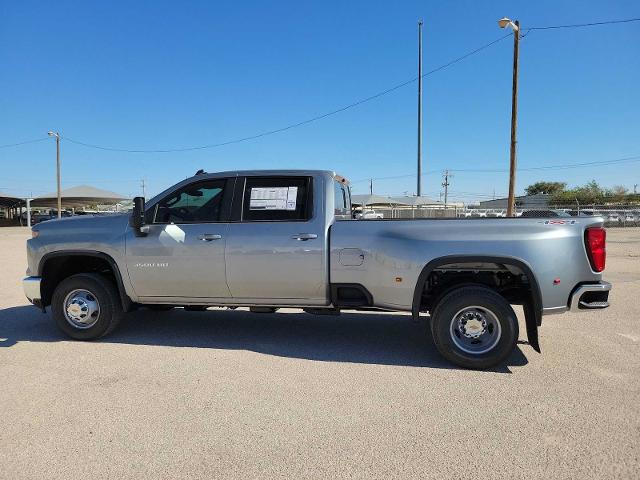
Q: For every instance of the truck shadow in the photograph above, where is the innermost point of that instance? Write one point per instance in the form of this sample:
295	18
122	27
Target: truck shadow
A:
362	337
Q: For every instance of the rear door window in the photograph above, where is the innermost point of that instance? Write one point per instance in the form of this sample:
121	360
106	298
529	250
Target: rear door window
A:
277	199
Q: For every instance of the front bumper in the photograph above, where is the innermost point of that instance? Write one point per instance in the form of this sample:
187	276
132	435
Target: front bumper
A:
590	296
31	287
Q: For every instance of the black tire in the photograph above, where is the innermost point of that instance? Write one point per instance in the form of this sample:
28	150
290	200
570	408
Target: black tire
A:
497	321
101	289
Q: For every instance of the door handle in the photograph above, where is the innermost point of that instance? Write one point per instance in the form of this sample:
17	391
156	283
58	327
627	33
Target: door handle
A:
304	236
207	237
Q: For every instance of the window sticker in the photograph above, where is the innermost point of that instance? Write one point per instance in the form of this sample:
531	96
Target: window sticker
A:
292	194
273	198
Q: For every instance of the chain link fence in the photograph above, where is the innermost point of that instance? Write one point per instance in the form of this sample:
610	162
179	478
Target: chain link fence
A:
614	215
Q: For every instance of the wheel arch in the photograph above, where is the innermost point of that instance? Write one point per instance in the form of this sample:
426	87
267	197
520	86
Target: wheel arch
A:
532	309
65	261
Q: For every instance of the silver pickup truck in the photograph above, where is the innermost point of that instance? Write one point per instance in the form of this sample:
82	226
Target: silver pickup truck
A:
269	239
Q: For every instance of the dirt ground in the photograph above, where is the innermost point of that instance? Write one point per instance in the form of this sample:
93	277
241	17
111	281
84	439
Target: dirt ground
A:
230	394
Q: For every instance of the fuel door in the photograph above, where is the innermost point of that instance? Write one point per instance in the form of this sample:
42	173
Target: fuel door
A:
351	257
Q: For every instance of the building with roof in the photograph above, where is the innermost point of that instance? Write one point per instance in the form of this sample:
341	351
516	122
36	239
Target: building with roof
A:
537	201
405	207
378	200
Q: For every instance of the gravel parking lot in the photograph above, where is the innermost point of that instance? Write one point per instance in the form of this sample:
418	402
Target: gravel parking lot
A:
231	394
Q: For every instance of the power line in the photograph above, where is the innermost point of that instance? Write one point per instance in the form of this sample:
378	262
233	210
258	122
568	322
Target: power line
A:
346	107
395	177
331	113
635	158
36	140
298	124
580	25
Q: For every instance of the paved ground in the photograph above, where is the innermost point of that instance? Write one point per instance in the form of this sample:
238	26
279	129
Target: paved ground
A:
238	395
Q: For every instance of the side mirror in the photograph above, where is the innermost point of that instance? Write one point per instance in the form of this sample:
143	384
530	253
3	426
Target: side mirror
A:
136	220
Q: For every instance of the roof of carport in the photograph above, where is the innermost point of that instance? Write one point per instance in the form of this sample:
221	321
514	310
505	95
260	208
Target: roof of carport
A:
81	195
10	202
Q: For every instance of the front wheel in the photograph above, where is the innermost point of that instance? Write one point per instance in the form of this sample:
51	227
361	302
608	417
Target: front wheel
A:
86	306
474	327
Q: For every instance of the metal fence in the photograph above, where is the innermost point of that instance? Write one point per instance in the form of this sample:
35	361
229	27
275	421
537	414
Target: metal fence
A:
416	212
614	215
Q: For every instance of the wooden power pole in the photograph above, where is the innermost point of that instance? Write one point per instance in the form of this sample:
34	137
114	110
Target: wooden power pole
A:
514	122
419	189
445	183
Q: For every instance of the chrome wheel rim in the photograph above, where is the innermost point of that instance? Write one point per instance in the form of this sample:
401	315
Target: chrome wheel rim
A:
81	309
475	330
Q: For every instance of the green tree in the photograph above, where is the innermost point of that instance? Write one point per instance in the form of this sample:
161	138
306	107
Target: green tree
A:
550	188
588	193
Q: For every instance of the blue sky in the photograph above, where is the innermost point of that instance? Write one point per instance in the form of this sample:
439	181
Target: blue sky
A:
160	74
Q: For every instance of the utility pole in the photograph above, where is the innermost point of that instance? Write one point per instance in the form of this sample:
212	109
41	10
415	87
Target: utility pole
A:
57	135
515	26
420	108
445	184
144	195
371	186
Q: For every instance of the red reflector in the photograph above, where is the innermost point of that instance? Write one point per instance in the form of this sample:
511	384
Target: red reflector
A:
595	240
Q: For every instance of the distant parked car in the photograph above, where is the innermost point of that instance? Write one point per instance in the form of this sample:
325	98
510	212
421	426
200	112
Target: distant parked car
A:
544	213
497	214
581	213
369	215
584	213
40	217
612	217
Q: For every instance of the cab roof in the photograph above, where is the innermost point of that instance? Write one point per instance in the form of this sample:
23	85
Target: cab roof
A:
255	173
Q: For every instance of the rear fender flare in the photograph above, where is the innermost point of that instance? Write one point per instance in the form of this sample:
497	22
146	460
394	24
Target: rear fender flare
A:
533	311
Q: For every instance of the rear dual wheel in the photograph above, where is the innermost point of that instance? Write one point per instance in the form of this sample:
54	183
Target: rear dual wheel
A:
474	327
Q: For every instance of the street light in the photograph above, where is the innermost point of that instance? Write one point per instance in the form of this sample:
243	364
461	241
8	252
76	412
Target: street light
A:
515	26
504	22
57	135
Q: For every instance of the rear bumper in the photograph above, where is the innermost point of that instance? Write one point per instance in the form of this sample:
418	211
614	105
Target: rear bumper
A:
31	287
591	296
